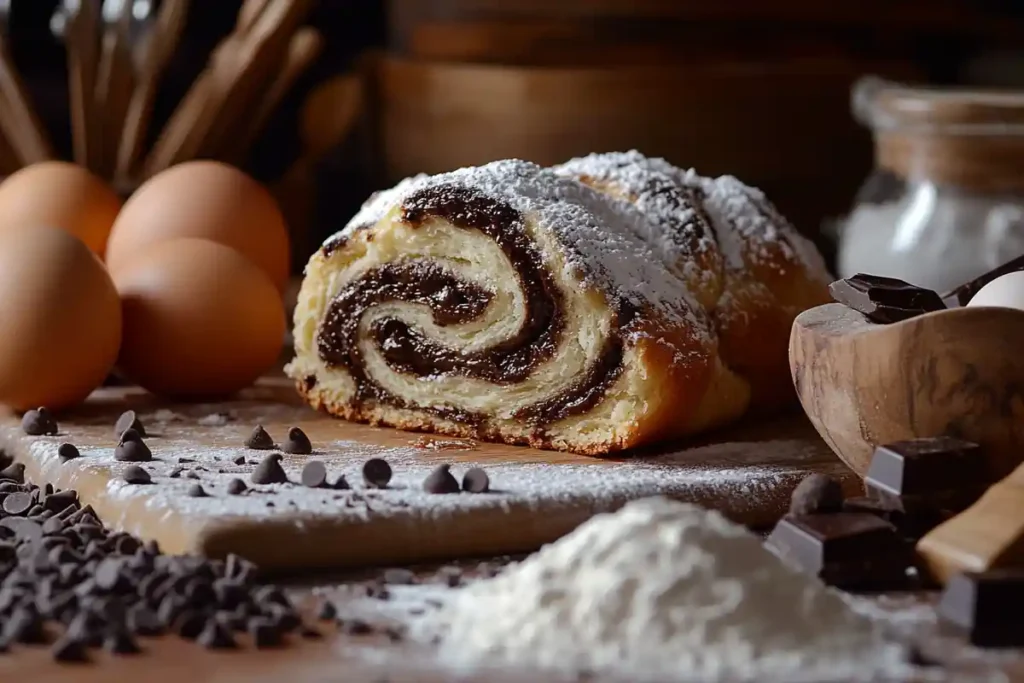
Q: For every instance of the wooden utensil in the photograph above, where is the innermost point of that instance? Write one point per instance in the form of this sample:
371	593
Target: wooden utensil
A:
988	535
304	48
957	372
227	87
22	128
82	29
154	54
115	78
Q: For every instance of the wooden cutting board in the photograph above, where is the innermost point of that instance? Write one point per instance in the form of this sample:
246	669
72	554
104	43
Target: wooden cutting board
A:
747	472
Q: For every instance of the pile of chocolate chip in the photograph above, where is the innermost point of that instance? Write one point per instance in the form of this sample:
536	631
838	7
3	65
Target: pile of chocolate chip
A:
62	572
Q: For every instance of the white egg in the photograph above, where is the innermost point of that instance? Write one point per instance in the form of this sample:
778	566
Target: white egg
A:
1005	292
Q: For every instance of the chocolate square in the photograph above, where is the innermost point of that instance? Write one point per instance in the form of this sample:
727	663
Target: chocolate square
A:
987	606
884	299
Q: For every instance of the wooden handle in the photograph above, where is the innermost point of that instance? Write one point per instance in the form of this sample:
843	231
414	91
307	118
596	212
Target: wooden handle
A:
82	50
160	46
10	159
249	13
115	81
25	133
304	48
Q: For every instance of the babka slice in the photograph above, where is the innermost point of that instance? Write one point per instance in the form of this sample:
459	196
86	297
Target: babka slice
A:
750	270
511	303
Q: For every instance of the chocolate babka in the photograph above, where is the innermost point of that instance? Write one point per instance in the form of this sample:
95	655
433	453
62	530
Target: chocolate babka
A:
590	308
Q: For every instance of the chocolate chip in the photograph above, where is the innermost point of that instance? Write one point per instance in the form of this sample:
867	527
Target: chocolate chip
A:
269	471
121	642
450	576
342	484
58	502
356	627
297	442
133	474
69	649
264	632
192	474
176	473
144	621
25	626
817	493
475	480
39	422
14	472
376	473
67	451
240	460
441	481
196	491
17	503
215	636
131	448
314	474
128	420
259	440
399	577
236	487
328	612
310	633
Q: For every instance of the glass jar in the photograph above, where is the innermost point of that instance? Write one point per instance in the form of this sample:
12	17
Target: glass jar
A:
945	202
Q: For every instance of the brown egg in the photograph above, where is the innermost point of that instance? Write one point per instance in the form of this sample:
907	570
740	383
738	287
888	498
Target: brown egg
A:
209	200
61	195
61	319
200	319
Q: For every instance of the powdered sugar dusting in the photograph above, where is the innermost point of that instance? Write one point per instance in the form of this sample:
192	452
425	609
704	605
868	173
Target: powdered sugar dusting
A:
601	240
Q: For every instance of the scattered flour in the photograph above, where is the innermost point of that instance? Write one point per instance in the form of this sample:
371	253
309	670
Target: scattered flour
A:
662	591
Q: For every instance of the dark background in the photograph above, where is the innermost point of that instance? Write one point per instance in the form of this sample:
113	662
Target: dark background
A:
937	41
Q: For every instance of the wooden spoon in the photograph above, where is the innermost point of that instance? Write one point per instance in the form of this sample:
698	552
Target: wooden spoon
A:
957	372
115	79
81	40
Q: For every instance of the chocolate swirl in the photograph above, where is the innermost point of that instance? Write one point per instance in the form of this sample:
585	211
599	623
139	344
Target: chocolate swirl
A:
454	301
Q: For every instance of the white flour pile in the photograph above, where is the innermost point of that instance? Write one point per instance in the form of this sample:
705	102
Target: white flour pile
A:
661	591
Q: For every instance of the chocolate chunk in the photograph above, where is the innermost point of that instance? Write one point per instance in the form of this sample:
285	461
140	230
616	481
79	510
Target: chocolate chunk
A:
259	440
441	480
376	473
196	491
399	577
342	484
475	480
131	448
215	636
39	422
175	473
133	474
236	487
297	442
264	632
843	549
927	475
67	451
17	503
314	474
128	420
884	300
240	460
14	472
988	606
269	471
817	493
69	649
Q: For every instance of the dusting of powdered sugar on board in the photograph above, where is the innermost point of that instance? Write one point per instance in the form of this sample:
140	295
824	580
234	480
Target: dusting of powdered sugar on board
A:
749	480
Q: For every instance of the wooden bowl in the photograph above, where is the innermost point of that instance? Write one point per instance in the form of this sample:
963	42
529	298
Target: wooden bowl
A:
958	372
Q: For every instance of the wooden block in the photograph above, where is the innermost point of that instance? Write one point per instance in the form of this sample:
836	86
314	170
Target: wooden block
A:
988	535
747	472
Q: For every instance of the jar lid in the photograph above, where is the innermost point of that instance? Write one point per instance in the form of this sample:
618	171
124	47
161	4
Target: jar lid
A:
884	105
